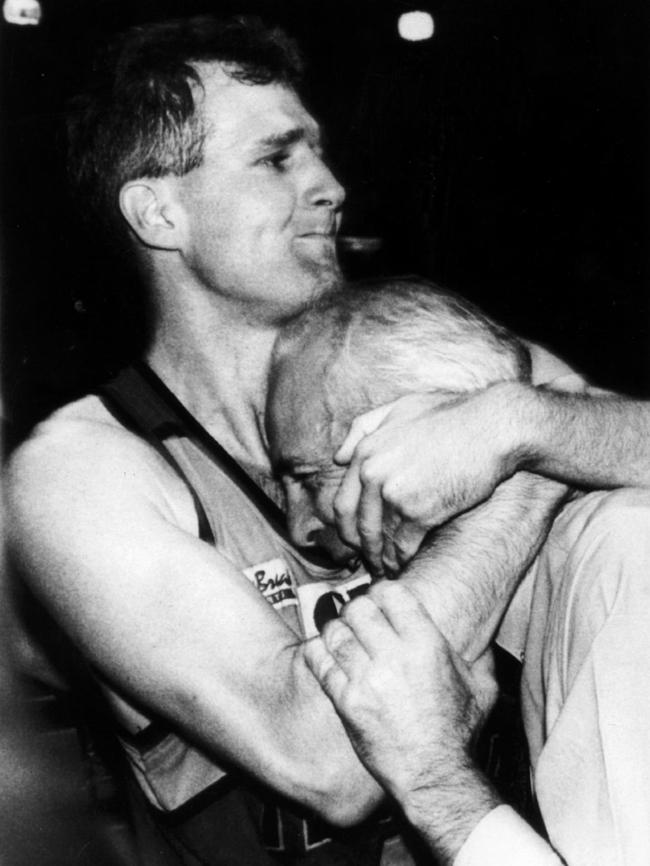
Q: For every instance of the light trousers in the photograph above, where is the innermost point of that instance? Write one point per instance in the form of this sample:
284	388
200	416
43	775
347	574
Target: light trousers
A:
586	680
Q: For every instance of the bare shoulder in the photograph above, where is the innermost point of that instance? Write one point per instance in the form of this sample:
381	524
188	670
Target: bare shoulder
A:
81	457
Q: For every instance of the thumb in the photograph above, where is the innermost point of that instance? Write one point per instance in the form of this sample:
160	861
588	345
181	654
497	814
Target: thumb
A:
361	427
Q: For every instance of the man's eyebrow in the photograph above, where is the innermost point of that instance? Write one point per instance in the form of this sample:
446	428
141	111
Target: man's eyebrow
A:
287	138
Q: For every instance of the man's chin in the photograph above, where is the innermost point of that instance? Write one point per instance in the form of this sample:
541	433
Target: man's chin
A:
314	283
324	271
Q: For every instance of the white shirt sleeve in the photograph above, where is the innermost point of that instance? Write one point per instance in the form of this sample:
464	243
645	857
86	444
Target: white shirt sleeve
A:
502	838
547	367
550	371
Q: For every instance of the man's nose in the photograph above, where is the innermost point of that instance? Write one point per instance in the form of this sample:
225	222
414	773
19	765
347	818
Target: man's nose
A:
324	190
303	523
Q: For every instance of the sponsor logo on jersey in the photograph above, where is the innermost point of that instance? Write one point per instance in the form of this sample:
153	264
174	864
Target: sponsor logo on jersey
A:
273	579
322	601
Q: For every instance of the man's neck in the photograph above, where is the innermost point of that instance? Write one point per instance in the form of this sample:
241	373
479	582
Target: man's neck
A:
216	362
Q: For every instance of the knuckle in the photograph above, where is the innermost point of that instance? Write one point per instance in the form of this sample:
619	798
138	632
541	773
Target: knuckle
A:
408	543
334	633
359	610
411	510
364	449
354	703
390	561
392	491
381	680
382	592
395	596
369	472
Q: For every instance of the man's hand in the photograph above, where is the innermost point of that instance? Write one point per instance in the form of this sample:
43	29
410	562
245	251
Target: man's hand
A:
409	704
418	462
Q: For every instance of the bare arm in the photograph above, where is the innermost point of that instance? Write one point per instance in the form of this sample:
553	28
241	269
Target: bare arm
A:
588	440
430	462
107	537
466	572
422	463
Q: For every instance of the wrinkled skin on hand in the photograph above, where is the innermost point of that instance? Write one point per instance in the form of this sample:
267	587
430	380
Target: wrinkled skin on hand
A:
416	463
410	705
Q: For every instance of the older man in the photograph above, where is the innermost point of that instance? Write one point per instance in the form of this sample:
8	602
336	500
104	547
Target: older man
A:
580	613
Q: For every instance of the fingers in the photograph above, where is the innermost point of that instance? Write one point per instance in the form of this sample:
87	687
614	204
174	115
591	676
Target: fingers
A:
323	666
345	507
390	553
358	510
358	505
400	540
369	625
406	541
344	647
361	427
369	525
406	615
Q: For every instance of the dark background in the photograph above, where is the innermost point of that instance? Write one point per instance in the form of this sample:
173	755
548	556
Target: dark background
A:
507	158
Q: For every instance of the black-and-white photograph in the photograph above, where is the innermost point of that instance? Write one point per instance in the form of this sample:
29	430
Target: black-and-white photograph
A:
325	337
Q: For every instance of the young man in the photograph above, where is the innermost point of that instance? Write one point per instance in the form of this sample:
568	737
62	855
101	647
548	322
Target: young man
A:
580	614
196	147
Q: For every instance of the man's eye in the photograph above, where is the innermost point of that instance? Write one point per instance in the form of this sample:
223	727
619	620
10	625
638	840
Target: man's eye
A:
276	160
308	480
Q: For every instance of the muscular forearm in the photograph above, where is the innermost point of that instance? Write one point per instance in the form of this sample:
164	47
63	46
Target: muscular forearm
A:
466	573
589	441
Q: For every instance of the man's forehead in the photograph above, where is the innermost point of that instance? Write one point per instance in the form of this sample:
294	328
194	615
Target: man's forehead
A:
299	424
301	439
237	113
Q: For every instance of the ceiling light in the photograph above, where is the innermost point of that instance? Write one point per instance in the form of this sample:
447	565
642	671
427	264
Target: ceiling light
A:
22	11
415	26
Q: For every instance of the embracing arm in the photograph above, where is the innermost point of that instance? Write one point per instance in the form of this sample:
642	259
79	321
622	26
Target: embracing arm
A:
592	441
421	463
106	536
433	461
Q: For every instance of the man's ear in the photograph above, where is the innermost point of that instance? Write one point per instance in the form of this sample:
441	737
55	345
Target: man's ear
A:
149	209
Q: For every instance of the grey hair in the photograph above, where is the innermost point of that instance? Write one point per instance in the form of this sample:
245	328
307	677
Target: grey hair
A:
386	338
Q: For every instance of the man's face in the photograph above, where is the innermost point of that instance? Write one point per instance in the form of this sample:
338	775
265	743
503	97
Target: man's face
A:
262	211
302	443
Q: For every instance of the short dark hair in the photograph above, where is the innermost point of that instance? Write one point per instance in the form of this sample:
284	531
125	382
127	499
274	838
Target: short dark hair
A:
138	117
